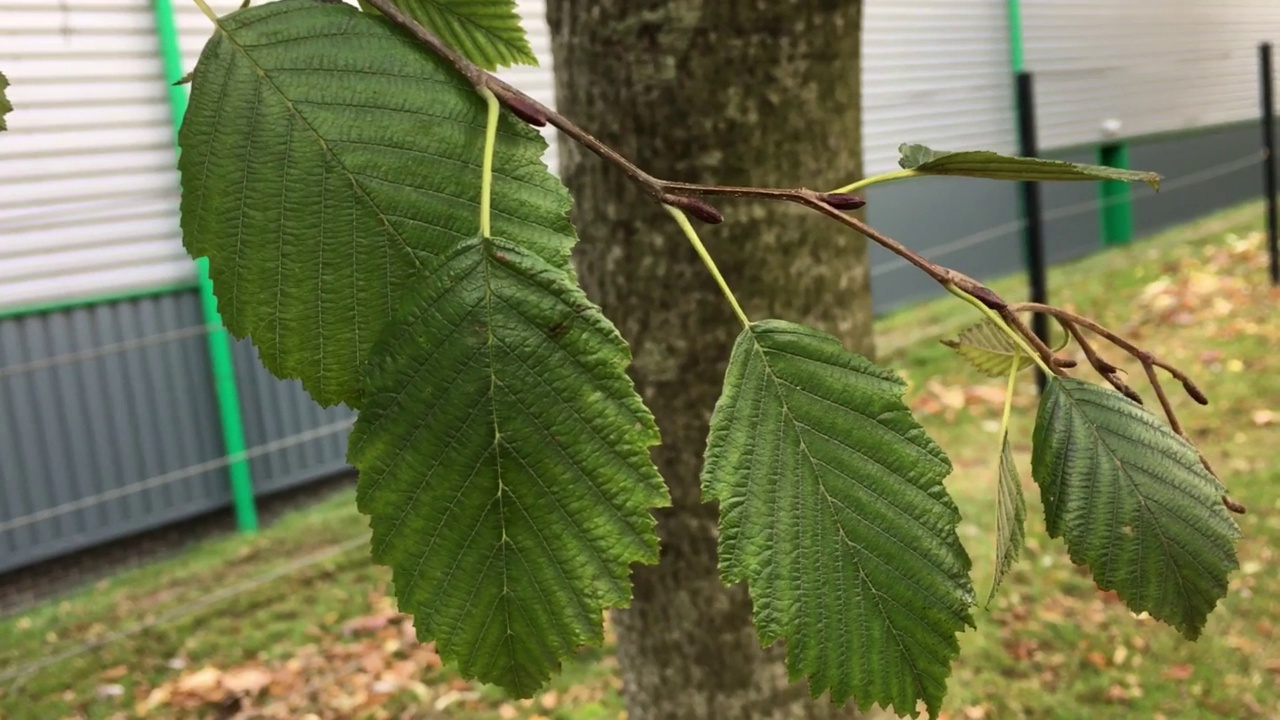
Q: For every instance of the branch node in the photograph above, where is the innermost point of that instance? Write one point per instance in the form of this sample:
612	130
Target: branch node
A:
1195	392
525	109
843	201
987	297
697	207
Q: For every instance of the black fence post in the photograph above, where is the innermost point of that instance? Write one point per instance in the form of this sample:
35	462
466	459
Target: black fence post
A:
1269	157
1032	215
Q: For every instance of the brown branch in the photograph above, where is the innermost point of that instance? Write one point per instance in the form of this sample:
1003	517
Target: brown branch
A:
1046	353
686	196
1142	356
1109	372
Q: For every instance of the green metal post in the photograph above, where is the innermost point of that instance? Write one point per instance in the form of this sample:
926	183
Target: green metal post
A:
1116	197
1016	62
219	342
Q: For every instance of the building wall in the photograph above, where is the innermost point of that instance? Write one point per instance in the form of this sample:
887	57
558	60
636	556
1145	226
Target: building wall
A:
125	436
935	73
88	190
1155	65
108	426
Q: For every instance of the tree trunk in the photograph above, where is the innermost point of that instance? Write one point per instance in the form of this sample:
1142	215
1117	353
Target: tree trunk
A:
742	92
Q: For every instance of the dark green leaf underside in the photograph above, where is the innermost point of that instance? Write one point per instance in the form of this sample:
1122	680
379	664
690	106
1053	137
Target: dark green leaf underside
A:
487	32
504	461
325	158
832	509
1011	517
5	106
987	164
1133	503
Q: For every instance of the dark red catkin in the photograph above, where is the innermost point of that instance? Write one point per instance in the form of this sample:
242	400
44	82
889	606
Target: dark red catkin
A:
844	201
526	110
697	207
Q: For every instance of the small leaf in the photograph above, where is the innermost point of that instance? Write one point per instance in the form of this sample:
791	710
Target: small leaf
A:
1011	516
5	106
487	32
990	351
833	511
1133	502
987	164
504	461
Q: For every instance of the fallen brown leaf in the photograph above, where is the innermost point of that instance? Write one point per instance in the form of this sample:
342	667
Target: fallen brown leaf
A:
247	680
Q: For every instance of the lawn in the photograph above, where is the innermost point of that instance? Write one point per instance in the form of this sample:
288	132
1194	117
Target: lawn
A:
295	622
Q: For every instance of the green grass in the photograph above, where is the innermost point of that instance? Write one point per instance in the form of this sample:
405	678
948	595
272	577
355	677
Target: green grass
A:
1052	646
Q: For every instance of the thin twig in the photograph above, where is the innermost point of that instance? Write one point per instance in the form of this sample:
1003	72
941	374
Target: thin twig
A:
1073	322
1143	356
533	111
669	192
1109	372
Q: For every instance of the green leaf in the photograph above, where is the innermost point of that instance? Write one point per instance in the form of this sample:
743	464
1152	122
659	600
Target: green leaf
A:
990	350
832	510
487	32
5	106
326	158
1011	516
1133	503
504	459
987	164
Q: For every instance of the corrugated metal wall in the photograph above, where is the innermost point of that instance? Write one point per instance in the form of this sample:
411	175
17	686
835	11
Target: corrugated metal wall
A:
88	190
1155	65
108	425
81	432
935	73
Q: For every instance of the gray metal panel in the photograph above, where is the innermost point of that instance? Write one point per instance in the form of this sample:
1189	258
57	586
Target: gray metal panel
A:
969	225
1072	226
282	412
71	431
1193	187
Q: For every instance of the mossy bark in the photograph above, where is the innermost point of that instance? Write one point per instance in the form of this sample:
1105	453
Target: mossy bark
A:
744	92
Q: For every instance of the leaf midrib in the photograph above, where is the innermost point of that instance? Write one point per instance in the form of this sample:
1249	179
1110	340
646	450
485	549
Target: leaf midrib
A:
862	574
1142	501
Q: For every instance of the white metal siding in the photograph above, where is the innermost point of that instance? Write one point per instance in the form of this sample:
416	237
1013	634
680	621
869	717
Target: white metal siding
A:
1154	65
935	72
88	189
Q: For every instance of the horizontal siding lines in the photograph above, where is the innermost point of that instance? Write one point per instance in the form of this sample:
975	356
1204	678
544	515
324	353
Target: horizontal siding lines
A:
88	179
934	76
1153	69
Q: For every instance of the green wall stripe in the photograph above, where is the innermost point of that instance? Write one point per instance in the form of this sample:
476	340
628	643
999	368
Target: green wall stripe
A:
219	341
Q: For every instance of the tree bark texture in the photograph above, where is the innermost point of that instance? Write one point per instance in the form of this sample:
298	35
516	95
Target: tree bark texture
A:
743	92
